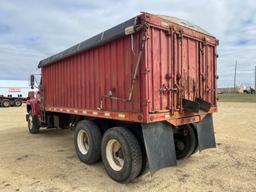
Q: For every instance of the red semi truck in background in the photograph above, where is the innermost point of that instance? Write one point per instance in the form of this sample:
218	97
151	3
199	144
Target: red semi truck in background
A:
141	92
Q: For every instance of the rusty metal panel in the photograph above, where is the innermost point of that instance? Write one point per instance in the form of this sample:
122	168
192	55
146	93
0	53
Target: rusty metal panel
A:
82	80
181	67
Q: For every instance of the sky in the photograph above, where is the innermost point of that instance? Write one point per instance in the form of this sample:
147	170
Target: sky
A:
33	30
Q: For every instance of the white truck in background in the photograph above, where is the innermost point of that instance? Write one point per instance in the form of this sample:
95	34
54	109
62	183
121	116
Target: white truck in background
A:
14	92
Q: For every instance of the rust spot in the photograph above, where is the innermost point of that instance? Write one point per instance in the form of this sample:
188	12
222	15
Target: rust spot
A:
140	117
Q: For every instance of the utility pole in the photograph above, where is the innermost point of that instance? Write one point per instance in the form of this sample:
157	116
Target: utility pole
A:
235	77
255	80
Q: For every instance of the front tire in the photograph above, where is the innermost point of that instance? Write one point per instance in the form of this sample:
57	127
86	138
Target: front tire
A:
87	141
33	124
121	154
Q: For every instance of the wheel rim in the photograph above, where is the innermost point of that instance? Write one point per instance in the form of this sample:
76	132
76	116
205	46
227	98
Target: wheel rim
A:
30	122
185	142
18	103
83	142
6	103
180	145
114	155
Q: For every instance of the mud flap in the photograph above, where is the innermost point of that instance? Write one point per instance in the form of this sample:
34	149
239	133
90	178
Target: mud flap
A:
205	133
159	144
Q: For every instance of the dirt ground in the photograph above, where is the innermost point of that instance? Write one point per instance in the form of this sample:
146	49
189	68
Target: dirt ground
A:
47	161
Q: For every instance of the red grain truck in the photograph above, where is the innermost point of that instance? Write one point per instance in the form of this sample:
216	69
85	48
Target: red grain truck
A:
142	92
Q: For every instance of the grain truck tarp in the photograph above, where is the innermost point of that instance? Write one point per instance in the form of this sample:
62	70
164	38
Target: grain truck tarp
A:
205	133
100	39
160	147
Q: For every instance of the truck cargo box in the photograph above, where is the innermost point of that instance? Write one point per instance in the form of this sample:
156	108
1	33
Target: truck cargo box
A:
142	70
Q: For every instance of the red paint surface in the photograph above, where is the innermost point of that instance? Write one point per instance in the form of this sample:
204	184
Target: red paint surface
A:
184	62
80	81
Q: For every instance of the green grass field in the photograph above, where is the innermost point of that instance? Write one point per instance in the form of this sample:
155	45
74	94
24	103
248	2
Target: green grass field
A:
234	97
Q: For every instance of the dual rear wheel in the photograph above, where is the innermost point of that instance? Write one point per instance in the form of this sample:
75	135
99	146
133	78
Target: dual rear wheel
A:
121	154
87	141
119	149
186	142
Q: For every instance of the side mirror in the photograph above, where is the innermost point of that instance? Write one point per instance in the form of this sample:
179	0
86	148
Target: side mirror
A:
32	81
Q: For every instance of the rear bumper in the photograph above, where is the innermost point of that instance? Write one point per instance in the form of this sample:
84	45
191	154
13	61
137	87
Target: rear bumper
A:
178	118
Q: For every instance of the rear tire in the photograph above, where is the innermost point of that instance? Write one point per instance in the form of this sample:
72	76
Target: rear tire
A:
185	142
6	103
17	103
87	141
196	149
121	154
33	124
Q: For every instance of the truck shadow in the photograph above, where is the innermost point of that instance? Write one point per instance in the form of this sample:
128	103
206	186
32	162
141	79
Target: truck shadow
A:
55	132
